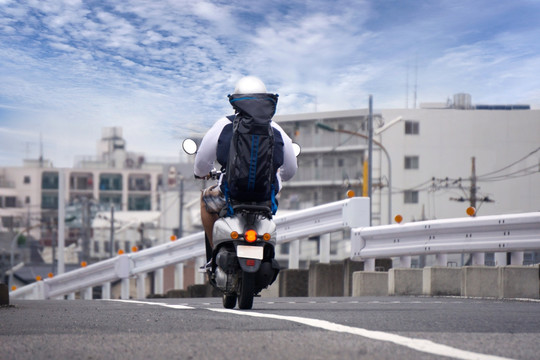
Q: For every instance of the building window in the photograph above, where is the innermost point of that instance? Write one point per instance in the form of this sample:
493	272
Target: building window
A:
27	200
412	127
49	180
10	201
49	201
26	179
96	247
412	162
410	197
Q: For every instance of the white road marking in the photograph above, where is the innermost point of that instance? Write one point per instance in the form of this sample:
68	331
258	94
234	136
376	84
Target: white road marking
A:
422	345
178	307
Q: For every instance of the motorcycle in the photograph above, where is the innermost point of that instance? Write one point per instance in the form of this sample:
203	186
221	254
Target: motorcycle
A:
243	250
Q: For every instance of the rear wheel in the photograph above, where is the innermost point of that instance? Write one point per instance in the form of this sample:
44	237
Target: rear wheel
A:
229	301
247	291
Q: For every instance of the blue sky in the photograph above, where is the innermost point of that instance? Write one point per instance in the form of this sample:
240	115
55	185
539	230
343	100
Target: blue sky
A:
161	69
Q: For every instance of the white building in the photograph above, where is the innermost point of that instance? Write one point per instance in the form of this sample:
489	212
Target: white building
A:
431	151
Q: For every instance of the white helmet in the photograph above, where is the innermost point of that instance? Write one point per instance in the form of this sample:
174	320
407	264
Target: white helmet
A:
250	85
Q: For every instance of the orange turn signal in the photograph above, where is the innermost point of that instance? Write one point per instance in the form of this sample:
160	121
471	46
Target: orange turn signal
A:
234	235
250	236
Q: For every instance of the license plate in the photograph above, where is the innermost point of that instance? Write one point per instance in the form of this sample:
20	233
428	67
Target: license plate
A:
250	252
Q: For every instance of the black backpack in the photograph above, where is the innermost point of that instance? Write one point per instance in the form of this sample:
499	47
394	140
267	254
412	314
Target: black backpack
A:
250	172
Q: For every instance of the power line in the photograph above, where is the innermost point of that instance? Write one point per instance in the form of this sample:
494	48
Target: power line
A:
512	164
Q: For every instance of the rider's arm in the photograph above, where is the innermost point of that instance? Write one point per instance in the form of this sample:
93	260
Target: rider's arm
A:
289	167
206	155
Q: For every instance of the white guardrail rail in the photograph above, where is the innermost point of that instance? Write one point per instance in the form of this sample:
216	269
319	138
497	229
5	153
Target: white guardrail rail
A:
494	233
322	219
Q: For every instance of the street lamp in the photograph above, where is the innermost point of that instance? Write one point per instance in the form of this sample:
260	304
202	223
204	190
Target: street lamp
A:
354	133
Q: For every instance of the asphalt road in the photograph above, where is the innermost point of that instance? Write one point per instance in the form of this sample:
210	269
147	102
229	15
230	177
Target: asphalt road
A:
280	328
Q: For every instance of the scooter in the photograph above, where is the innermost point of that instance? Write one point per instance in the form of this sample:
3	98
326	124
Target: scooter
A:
243	251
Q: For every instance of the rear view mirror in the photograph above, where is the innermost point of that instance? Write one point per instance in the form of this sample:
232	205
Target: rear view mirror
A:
297	149
189	146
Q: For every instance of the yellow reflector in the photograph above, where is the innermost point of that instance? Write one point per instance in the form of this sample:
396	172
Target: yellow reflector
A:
173	237
250	236
398	218
120	252
267	236
83	264
234	235
471	211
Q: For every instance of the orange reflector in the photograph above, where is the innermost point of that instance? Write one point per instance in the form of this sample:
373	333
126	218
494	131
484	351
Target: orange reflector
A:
173	237
351	193
250	236
120	252
266	236
134	249
38	278
398	218
50	275
471	211
234	235
13	288
83	264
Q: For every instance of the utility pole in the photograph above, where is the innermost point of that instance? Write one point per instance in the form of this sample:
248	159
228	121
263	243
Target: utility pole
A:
473	190
181	212
472	198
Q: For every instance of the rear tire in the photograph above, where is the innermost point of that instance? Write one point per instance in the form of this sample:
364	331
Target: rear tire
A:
247	291
229	301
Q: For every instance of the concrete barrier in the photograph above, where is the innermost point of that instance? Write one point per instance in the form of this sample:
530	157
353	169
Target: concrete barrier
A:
440	280
370	283
403	281
293	282
4	295
519	282
326	279
349	268
480	281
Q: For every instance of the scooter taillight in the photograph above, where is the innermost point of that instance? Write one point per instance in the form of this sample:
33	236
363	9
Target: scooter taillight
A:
250	236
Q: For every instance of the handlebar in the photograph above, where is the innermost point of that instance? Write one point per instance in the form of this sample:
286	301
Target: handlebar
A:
214	175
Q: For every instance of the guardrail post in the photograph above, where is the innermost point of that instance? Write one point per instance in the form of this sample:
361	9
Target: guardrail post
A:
324	246
441	259
87	293
478	258
294	254
141	286
106	291
516	258
369	264
179	276
199	277
158	281
405	262
124	292
500	259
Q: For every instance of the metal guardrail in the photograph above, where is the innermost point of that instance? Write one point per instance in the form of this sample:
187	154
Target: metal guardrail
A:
301	224
495	233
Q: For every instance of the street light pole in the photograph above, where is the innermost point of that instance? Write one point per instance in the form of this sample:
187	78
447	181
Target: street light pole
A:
370	155
328	128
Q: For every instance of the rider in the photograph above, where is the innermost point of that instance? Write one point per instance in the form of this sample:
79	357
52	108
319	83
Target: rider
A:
212	199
